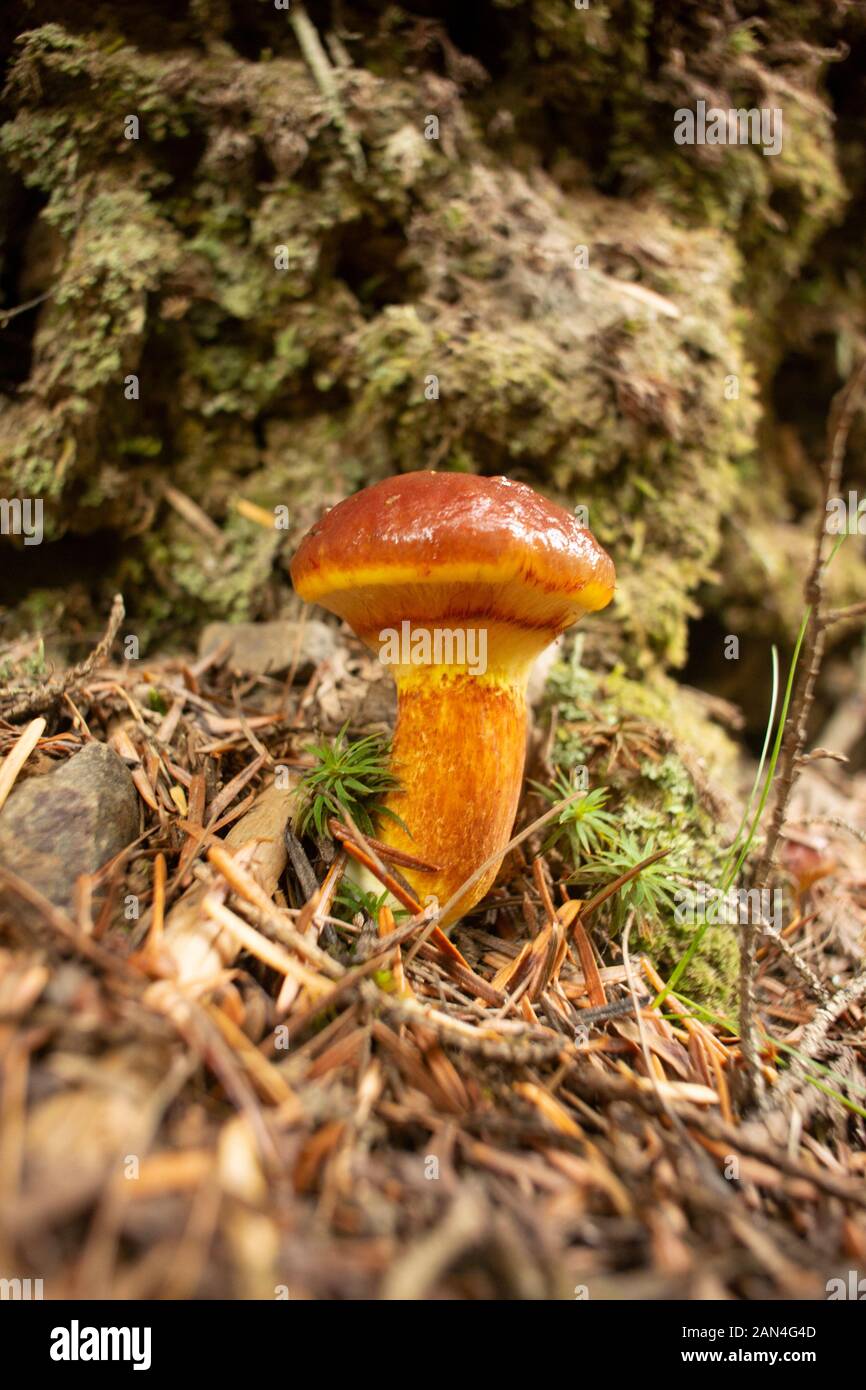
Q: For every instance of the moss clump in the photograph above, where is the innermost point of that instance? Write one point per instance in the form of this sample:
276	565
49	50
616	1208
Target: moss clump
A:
546	286
664	794
639	61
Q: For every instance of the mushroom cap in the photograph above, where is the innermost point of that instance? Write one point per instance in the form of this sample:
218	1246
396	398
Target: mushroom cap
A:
431	546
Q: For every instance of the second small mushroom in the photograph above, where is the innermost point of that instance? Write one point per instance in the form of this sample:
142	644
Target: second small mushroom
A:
458	582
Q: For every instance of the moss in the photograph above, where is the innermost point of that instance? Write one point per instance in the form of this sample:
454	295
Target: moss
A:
641	60
615	401
453	259
668	800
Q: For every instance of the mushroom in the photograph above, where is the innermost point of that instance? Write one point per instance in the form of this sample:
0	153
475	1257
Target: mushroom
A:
459	582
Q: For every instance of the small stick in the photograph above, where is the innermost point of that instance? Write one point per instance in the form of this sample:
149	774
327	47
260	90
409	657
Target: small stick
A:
803	968
395	856
842	413
311	46
615	1010
813	1041
300	863
15	760
322	897
53	691
261	947
844	615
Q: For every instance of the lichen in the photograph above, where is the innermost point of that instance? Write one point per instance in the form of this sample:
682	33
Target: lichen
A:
437	313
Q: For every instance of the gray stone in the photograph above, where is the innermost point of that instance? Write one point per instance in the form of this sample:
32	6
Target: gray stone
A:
68	822
269	649
378	705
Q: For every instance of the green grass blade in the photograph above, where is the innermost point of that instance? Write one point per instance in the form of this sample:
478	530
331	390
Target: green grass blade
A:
726	881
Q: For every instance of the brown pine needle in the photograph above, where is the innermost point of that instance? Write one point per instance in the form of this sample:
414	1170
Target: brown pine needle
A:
268	1080
154	936
597	996
243	883
395	856
590	904
259	946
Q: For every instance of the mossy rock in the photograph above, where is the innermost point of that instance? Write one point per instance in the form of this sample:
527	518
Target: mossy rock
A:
229	260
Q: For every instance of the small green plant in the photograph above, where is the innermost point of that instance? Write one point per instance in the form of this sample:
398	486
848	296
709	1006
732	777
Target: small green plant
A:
351	900
585	825
347	777
33	667
650	893
156	701
742	842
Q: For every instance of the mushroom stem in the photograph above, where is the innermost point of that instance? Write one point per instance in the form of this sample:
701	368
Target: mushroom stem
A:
458	754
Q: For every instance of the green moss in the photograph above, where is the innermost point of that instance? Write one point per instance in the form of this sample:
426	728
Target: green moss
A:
656	800
454	260
641	61
628	428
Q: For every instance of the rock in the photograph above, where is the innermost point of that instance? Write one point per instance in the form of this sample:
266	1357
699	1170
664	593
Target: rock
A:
269	649
68	822
378	705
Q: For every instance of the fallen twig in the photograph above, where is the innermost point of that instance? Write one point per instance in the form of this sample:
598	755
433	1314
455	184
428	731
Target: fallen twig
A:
319	64
15	760
813	1041
52	692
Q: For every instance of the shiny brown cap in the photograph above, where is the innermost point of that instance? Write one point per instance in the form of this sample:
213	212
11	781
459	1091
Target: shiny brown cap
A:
429	546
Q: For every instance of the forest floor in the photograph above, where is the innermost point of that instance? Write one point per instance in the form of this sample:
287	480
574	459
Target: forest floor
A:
221	1082
250	260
